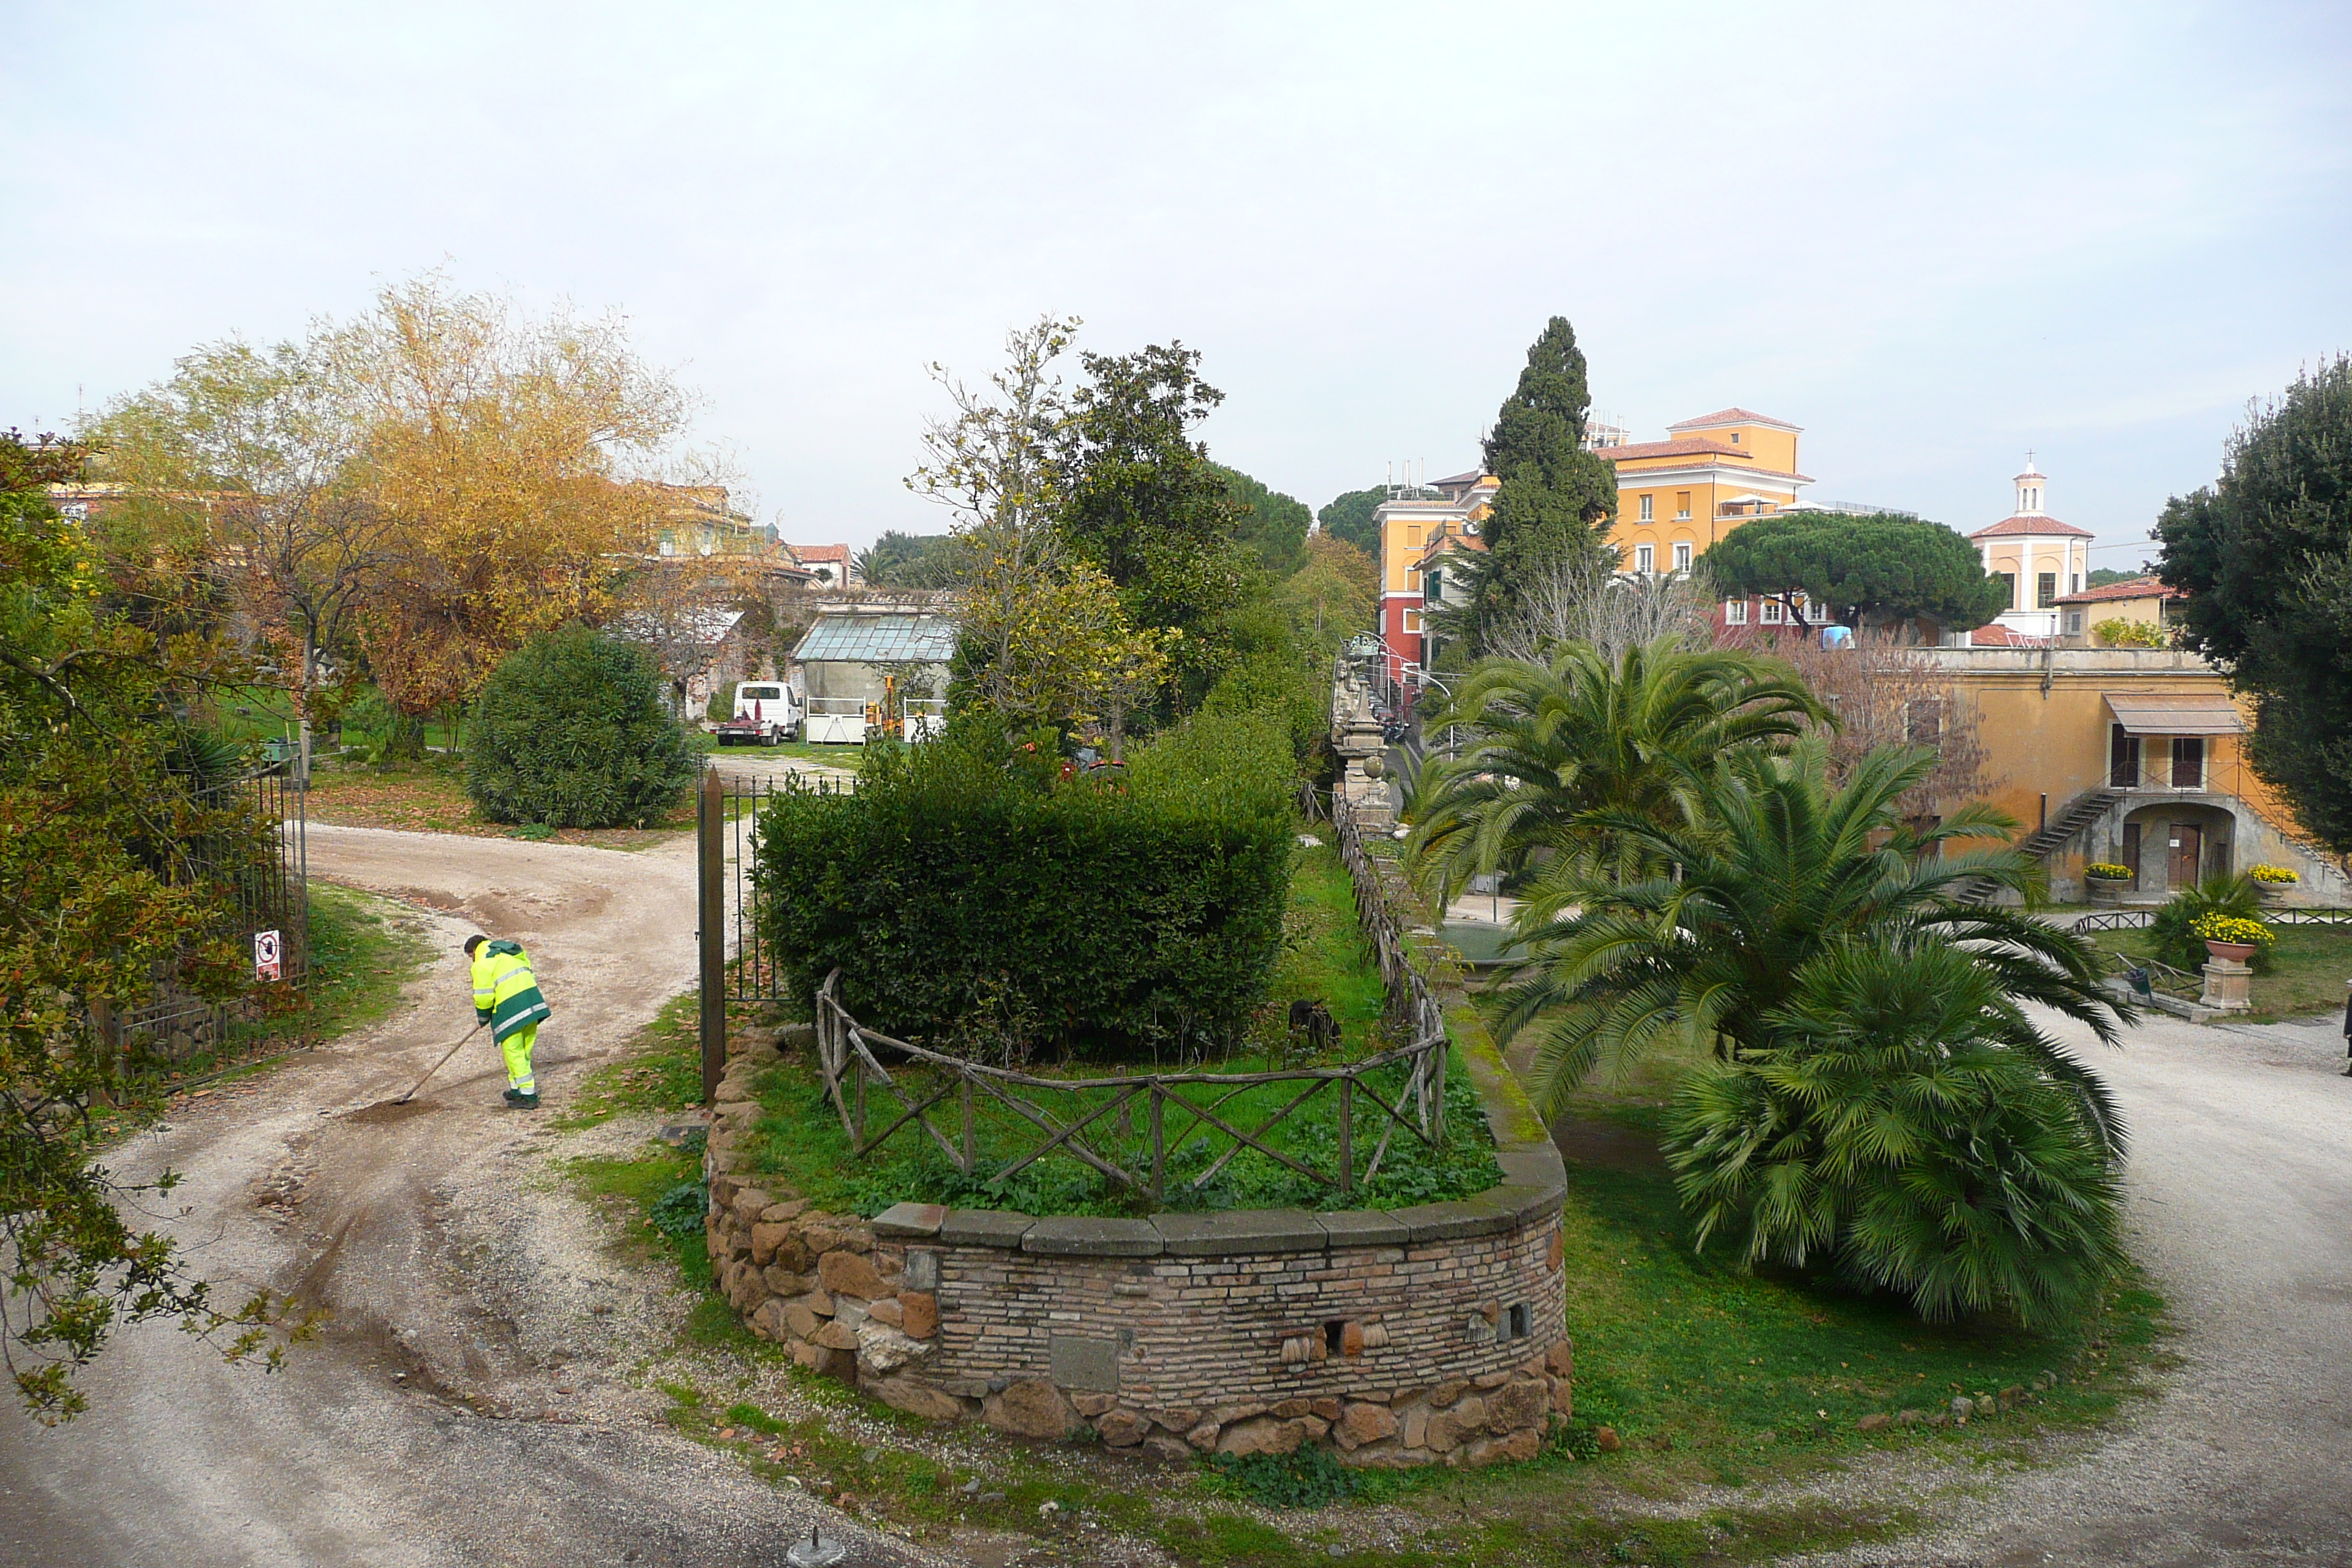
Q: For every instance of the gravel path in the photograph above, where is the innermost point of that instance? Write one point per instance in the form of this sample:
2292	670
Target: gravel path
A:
2242	1210
456	1282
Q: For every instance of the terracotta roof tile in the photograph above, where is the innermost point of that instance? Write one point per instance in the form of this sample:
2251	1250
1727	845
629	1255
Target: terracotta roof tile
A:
1732	416
2129	588
2041	527
1687	445
1999	636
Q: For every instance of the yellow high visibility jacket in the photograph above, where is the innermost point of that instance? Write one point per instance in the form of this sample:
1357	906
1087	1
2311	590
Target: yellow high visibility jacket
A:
506	992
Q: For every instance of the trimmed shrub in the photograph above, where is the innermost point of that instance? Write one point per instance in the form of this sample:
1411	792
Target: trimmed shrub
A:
573	729
974	898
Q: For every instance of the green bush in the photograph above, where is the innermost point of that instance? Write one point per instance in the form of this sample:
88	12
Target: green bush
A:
2172	935
972	898
572	730
1894	1130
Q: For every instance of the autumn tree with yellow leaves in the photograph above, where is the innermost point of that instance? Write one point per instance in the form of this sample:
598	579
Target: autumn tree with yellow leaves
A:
428	484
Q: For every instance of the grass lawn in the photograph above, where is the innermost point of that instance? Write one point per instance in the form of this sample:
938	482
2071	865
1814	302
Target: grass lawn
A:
1713	1372
363	949
1324	956
837	756
2309	966
430	797
1712	1377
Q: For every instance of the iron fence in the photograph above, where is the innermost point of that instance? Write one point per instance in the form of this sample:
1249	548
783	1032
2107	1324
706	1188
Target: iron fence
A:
727	814
269	898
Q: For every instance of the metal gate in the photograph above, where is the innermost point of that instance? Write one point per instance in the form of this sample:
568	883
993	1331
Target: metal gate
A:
271	895
738	963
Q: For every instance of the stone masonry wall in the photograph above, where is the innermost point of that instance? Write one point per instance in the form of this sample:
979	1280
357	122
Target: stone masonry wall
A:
1422	1335
1413	1336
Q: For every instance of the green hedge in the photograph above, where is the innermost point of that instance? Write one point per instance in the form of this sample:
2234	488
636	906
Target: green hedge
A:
974	901
573	729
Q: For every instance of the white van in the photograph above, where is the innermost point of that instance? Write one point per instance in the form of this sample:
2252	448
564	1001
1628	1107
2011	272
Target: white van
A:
766	711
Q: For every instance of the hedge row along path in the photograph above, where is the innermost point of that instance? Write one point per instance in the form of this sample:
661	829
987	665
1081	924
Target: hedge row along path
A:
444	1264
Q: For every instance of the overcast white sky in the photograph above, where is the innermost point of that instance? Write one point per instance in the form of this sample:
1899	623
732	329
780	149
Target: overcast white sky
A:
1932	235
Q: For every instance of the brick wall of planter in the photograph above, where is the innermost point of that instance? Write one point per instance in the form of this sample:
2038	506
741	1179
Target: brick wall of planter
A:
1405	1337
1415	1336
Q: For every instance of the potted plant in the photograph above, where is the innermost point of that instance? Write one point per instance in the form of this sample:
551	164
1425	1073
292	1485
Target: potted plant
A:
2107	881
2270	882
2232	937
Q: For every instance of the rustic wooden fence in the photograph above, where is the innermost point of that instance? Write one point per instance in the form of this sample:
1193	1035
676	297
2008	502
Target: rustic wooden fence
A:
1093	1120
2141	919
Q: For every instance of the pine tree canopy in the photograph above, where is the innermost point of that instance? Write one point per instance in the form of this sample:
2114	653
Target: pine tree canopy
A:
1877	568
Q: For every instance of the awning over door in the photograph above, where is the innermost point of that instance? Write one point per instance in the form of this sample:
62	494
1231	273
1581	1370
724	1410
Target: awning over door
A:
2198	713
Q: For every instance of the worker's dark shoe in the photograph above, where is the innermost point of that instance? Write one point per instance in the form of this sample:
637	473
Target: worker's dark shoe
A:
522	1102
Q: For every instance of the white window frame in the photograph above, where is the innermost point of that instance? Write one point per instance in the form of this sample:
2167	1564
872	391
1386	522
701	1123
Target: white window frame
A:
1682	557
1734	612
1648	502
1776	614
1645	559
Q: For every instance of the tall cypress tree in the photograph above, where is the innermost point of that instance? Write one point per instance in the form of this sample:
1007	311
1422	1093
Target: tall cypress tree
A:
1556	500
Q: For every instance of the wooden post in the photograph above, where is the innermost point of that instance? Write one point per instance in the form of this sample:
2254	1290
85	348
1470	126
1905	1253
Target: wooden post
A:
1438	1088
1346	1134
710	824
856	1065
1159	1148
969	1163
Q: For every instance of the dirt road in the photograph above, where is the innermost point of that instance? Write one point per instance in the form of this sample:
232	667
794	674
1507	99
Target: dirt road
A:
452	1274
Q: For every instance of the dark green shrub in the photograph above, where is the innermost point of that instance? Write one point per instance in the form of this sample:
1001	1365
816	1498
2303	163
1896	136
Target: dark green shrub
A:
1897	1127
1309	1478
682	1211
973	898
572	731
2171	933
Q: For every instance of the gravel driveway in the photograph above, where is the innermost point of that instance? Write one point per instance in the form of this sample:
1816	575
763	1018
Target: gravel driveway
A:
455	1283
2242	1209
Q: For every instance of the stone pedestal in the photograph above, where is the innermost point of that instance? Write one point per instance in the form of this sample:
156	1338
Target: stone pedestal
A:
2227	986
2102	891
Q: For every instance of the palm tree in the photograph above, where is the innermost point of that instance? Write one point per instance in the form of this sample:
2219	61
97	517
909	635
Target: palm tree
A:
1773	868
1894	1130
1552	747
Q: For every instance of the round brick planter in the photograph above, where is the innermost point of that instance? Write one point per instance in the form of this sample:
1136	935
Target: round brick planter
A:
1433	1334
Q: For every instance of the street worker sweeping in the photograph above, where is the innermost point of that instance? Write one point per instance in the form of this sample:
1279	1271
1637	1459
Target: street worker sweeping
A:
507	998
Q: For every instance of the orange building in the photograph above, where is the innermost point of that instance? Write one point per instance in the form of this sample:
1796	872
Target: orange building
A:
1417	524
1677	497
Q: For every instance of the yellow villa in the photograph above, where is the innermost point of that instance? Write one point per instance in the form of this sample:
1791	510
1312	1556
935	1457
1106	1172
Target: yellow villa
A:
2132	757
1677	497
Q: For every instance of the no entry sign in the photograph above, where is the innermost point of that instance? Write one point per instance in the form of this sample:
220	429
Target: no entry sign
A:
266	965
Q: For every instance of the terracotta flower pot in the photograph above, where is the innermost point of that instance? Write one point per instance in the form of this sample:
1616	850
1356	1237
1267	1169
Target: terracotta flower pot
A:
2231	951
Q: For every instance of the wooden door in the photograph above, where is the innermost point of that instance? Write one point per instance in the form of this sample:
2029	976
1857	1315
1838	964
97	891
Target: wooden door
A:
2188	855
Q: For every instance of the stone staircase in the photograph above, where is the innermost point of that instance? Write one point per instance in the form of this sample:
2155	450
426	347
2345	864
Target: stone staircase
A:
2072	817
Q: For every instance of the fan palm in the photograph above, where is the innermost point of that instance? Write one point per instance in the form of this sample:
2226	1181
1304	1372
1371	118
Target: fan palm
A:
1899	1127
1774	867
1547	749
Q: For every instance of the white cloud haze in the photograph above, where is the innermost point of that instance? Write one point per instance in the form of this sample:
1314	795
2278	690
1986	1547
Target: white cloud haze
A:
1934	236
